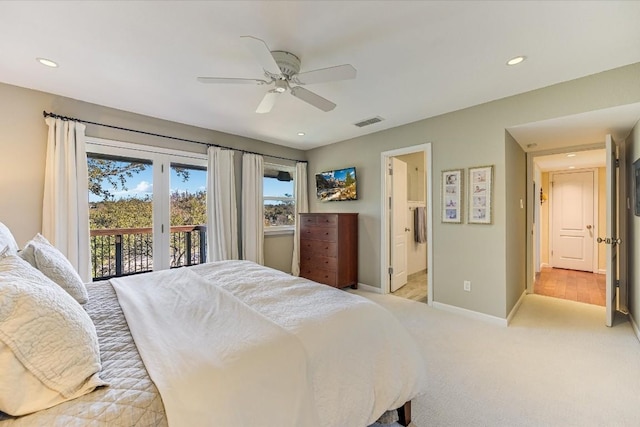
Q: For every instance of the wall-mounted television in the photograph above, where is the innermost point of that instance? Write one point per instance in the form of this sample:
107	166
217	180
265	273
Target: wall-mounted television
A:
339	184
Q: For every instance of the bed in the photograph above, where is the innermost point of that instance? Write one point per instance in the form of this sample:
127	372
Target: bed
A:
235	343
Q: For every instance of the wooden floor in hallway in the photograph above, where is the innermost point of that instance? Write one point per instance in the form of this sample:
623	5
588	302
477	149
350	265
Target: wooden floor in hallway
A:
573	285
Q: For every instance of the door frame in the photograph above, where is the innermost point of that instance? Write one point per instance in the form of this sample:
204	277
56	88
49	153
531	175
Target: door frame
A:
161	159
385	217
530	268
596	219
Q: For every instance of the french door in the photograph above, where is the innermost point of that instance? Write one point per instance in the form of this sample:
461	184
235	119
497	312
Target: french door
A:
147	208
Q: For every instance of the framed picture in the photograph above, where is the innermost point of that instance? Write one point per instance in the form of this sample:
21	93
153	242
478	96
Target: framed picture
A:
452	195
636	183
480	195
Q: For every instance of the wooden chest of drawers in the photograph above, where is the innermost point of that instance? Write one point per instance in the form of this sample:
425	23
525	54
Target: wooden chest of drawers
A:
329	248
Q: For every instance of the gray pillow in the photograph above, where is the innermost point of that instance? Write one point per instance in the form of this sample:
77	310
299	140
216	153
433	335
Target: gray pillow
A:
52	263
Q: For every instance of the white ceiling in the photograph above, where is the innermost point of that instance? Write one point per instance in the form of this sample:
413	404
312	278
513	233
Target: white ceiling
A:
415	59
573	160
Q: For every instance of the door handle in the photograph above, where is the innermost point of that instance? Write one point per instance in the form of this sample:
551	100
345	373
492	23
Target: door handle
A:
407	229
589	227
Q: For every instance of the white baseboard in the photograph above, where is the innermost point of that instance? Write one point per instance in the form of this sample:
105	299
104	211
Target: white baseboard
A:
470	313
369	288
516	307
602	271
634	325
544	264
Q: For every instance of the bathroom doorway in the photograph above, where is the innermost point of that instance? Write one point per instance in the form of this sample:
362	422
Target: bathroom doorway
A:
407	223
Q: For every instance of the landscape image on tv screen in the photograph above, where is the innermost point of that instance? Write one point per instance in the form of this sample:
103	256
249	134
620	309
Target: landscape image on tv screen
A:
336	185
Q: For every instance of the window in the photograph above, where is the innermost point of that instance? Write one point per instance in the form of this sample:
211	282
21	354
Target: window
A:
147	208
279	198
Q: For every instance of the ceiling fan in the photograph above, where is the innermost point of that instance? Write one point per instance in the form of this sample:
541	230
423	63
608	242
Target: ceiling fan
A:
282	70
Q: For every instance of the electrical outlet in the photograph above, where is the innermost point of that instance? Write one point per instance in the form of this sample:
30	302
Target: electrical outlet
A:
467	285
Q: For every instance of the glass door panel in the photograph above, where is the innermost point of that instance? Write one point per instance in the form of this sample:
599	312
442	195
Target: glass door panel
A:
188	212
120	215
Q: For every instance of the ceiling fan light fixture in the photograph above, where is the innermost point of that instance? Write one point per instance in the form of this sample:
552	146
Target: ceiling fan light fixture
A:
516	60
281	86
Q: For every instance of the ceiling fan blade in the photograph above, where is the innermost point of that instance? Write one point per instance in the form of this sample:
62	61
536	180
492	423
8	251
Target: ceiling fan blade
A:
262	53
231	80
340	72
267	102
313	99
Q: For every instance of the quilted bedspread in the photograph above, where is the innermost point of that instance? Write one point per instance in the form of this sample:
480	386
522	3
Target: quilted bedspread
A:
131	398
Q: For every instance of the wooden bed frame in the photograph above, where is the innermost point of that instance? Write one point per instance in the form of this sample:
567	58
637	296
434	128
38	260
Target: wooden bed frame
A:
404	414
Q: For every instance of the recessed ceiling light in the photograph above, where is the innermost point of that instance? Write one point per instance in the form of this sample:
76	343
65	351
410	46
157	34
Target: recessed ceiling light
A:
300	133
571	155
572	167
47	62
516	60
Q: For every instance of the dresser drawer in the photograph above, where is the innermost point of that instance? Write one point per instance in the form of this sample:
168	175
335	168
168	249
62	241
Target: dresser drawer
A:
319	233
321	276
312	261
318	221
318	247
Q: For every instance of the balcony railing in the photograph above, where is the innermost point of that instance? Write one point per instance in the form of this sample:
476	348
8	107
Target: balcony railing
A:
123	251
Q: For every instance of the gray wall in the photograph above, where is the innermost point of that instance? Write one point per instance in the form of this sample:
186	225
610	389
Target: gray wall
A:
462	139
633	224
516	191
23	139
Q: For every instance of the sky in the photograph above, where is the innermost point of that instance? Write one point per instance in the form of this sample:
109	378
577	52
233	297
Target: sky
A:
141	185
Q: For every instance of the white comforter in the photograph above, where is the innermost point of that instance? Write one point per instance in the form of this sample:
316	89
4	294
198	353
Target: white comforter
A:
236	344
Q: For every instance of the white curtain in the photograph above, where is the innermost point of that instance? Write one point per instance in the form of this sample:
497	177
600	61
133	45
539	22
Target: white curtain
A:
222	232
252	208
302	206
65	206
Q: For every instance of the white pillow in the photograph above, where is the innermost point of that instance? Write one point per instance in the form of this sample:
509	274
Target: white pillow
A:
7	239
49	349
49	260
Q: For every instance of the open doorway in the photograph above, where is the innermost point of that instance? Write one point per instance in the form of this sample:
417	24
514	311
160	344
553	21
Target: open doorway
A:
406	223
569	215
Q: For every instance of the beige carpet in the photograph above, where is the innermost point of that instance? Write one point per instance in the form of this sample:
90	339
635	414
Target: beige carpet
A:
555	365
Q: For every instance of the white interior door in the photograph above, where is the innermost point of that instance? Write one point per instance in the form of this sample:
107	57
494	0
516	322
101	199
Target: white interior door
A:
572	220
611	239
399	228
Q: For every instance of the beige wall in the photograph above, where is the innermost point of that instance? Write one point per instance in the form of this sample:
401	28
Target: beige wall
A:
461	139
23	137
416	190
516	218
278	251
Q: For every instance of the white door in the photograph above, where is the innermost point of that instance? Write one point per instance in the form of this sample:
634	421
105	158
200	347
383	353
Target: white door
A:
611	239
399	228
572	212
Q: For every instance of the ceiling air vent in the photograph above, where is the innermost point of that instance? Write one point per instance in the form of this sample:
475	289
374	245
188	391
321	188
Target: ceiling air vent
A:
368	122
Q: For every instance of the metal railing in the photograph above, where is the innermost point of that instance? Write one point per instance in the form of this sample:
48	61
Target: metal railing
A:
124	251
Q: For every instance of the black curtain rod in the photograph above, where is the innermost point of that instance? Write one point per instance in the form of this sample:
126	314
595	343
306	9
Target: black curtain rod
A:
73	119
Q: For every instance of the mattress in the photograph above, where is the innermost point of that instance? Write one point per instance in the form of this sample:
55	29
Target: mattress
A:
131	397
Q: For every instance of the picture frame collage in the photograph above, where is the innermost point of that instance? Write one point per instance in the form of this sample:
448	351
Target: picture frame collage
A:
479	196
